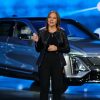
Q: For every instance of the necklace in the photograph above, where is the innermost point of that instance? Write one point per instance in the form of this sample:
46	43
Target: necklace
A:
52	34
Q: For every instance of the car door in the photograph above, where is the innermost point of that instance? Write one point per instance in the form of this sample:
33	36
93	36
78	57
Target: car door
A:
21	54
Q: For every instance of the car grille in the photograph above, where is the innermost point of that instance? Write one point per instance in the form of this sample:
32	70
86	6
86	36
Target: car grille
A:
94	60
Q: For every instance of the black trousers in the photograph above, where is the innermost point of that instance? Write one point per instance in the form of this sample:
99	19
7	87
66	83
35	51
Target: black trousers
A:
51	68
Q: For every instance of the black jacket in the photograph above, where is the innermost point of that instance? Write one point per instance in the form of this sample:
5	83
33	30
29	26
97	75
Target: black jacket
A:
41	45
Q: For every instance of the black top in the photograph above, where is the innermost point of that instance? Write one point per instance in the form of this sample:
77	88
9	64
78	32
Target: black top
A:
51	57
59	39
52	39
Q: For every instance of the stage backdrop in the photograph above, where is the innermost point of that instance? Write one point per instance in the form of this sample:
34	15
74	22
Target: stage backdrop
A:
80	10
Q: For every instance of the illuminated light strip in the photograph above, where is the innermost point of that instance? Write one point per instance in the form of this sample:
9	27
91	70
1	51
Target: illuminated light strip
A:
98	6
83	10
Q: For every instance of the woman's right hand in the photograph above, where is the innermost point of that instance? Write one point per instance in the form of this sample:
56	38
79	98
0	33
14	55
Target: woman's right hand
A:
35	37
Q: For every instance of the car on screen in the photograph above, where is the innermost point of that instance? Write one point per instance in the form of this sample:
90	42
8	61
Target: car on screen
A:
18	55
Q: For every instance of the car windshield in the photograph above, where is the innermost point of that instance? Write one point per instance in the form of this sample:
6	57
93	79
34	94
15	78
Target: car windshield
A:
72	31
16	29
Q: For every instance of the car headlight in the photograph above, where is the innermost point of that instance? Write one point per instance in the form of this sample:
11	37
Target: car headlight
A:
78	65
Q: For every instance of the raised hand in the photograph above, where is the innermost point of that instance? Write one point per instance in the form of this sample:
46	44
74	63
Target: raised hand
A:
35	37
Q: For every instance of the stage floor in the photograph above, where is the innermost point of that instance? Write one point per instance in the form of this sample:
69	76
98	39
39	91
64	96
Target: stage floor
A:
30	95
18	89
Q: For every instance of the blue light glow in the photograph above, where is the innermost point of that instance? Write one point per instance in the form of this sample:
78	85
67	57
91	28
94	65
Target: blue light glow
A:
14	83
96	42
37	8
88	90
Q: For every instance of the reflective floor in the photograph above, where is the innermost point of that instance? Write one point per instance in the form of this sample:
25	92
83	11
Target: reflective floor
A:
18	89
29	95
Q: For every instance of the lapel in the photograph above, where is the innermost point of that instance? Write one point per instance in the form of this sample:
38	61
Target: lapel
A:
58	37
46	37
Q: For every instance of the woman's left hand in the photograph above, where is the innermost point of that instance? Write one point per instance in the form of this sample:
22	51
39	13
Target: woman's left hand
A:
52	48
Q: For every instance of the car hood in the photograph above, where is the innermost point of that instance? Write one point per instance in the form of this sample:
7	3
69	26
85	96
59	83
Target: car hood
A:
88	47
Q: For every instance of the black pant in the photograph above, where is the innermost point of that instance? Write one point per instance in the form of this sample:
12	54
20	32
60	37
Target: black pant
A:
51	68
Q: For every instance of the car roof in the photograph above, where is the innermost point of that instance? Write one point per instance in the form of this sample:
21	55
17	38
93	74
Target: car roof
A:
68	21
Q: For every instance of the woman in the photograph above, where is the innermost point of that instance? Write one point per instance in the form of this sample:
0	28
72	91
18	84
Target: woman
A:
51	42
